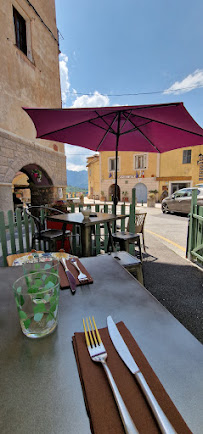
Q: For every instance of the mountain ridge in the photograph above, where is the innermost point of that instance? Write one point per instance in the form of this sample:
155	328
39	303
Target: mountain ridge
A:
77	179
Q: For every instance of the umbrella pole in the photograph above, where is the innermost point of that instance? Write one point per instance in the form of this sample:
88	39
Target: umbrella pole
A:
115	199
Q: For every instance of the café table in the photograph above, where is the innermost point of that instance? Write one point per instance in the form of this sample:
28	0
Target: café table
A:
40	385
86	225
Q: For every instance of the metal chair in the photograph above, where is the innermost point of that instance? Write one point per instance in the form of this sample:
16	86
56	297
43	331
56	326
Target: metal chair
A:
139	226
47	236
125	238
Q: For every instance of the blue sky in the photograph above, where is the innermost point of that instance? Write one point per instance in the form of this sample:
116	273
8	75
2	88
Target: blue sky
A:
149	49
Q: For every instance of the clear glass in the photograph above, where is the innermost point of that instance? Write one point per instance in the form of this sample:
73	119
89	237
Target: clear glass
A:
37	297
51	266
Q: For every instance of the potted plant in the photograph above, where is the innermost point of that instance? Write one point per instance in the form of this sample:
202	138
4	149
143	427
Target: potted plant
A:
151	199
125	196
37	174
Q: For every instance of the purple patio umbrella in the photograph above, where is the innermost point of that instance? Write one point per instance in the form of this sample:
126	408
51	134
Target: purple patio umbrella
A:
146	128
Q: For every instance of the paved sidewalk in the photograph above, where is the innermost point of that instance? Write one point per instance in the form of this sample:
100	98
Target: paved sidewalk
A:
176	283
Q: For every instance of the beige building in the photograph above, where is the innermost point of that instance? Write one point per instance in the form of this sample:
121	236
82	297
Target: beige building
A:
164	173
29	77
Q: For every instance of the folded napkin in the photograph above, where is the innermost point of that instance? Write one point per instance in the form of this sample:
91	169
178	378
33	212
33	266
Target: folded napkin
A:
100	404
64	283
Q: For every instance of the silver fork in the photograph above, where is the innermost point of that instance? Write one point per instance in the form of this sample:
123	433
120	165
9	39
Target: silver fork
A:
81	276
98	353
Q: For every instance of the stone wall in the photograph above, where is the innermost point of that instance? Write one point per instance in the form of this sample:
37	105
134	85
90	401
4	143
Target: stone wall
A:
17	152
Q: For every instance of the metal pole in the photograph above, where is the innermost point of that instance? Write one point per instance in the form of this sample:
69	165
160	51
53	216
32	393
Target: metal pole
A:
115	199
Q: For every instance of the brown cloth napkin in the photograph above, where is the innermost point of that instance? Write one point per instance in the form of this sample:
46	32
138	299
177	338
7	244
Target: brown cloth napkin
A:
100	404
64	283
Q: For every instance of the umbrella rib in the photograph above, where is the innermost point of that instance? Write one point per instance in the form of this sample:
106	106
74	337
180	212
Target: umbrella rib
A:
104	120
103	138
166	124
135	127
83	122
151	143
126	118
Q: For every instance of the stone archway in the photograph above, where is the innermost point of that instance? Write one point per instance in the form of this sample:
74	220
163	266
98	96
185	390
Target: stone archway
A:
39	183
18	153
112	192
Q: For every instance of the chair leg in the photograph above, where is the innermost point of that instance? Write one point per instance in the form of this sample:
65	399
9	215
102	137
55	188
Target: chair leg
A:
33	242
139	246
143	242
140	277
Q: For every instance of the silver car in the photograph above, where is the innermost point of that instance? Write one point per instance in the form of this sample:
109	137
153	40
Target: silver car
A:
180	201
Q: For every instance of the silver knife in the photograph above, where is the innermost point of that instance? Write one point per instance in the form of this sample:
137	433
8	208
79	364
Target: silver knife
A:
69	275
124	353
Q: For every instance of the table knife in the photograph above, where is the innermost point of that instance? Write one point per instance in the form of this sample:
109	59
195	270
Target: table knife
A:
69	275
123	351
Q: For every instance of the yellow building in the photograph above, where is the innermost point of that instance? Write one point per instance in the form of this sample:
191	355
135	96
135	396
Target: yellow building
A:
93	165
164	173
29	76
181	168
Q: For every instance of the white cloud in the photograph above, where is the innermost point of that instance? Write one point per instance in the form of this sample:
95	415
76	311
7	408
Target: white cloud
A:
192	81
74	167
95	100
77	156
64	77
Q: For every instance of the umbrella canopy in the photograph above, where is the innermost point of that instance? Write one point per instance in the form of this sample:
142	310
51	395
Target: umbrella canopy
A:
146	128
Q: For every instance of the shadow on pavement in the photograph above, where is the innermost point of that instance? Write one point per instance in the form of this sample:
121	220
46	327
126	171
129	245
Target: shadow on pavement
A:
178	287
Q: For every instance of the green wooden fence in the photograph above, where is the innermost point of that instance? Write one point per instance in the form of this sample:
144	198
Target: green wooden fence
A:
16	235
195	231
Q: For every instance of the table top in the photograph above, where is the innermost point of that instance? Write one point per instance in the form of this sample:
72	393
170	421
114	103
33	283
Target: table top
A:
78	218
40	386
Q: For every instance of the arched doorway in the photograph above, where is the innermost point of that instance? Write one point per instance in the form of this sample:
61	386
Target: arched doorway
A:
141	192
112	192
34	185
21	188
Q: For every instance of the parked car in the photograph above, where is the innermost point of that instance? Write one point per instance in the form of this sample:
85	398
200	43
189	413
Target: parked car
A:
180	201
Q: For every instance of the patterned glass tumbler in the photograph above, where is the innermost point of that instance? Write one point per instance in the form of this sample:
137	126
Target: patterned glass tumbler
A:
52	266
37	298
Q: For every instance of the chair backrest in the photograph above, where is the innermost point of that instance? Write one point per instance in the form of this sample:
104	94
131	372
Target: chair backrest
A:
139	222
34	211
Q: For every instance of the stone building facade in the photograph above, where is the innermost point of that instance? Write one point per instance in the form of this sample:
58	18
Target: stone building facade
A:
29	77
160	173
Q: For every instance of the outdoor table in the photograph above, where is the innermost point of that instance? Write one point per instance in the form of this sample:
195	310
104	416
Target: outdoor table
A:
86	225
40	385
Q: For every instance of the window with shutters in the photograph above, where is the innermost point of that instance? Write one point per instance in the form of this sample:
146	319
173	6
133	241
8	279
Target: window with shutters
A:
140	161
112	164
187	156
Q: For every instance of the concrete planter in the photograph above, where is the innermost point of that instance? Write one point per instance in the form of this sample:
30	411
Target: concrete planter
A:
151	202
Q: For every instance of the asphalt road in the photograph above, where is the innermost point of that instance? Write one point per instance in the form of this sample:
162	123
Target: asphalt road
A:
170	229
171	278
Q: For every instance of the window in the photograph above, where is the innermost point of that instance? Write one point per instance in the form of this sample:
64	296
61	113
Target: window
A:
141	161
187	156
112	164
20	31
185	192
